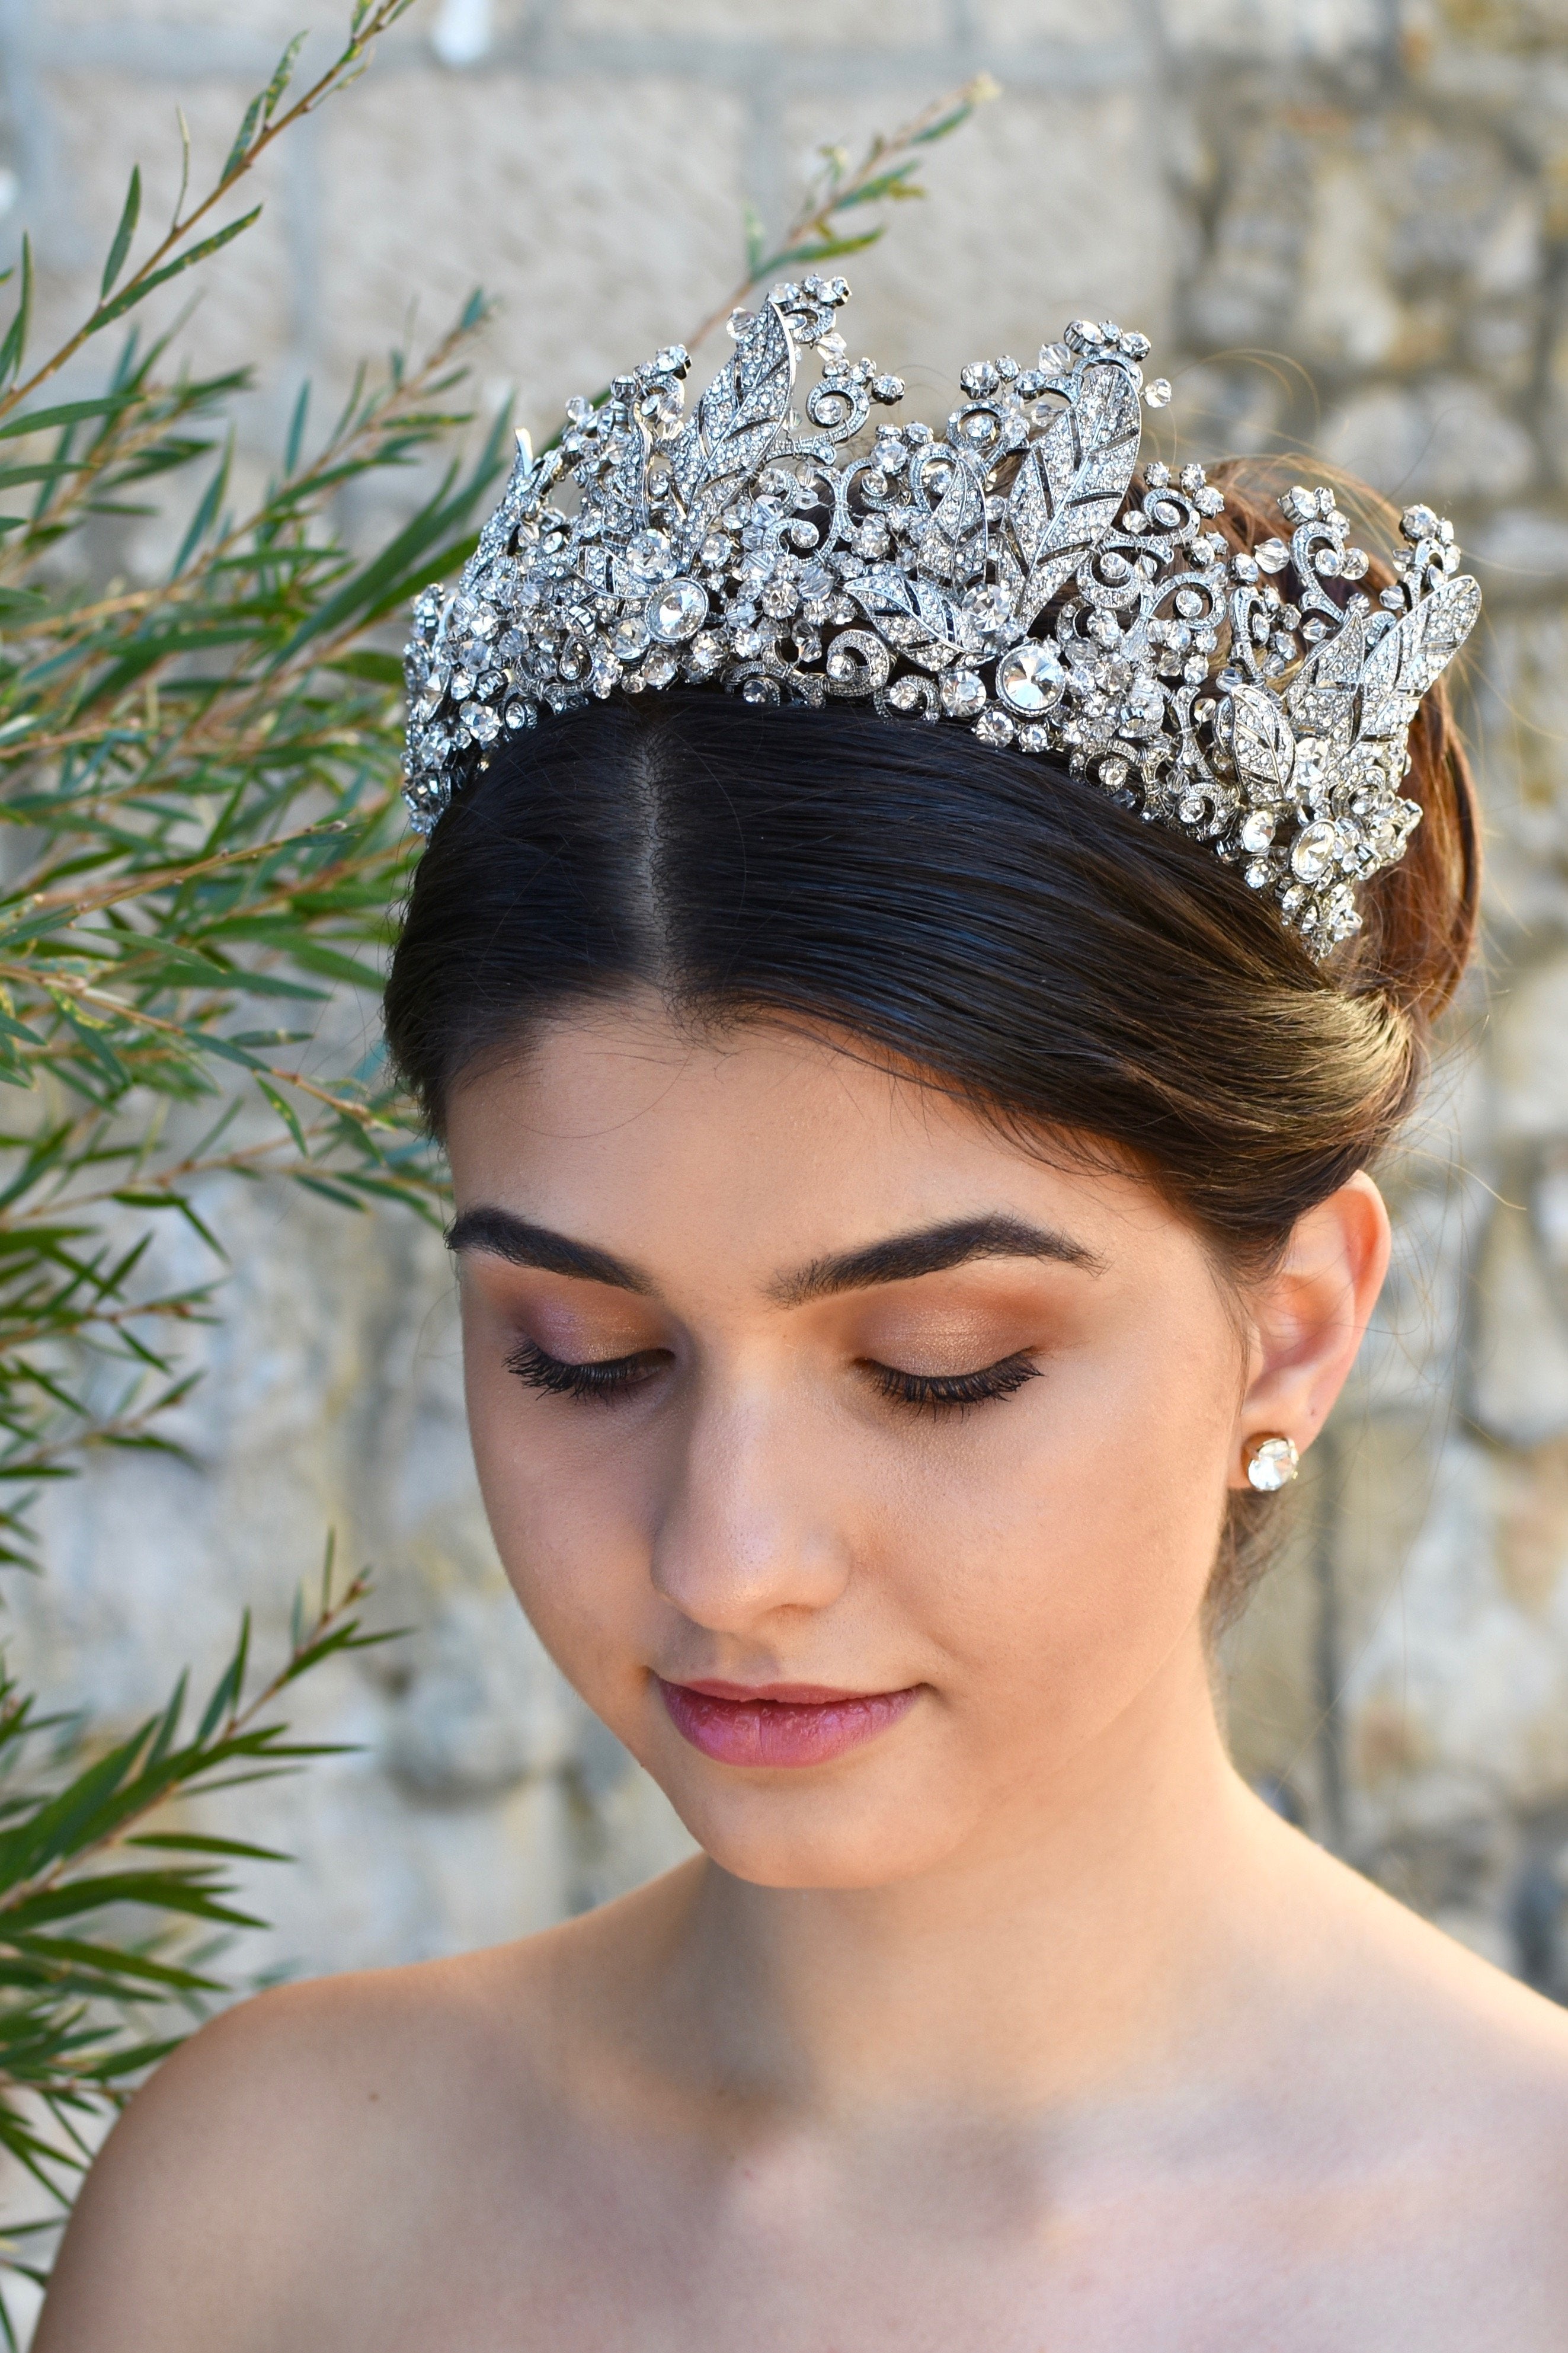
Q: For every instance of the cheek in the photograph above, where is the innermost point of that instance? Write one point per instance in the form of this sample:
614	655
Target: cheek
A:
564	1510
1060	1565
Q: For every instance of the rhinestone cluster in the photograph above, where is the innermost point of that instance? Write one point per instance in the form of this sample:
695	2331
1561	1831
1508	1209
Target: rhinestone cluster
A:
1019	574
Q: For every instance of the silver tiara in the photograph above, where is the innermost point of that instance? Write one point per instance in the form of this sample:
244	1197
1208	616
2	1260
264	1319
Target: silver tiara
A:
1019	574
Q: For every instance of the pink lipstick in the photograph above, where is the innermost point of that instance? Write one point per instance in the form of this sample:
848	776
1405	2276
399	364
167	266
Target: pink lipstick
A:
779	1724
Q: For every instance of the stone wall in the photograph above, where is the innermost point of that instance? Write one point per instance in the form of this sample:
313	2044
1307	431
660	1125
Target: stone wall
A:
1344	222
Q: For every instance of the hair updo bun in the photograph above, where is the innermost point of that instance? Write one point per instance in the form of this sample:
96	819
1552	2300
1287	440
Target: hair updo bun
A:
985	917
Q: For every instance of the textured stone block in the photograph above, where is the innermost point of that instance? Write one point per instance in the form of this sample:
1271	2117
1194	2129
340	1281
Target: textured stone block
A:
1529	1056
1520	1378
96	24
1007	24
1478	1681
1244	284
1448	440
600	220
793	25
1522	708
1040	210
1323	32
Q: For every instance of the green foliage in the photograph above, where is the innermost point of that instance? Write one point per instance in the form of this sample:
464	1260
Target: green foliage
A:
886	173
201	835
77	1857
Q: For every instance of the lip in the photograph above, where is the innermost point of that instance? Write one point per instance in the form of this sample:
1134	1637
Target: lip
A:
772	1724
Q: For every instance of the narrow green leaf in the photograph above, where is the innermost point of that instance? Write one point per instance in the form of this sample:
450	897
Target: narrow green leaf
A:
124	234
894	187
139	288
13	347
827	248
282	77
66	412
207	514
296	441
243	136
286	1113
945	125
191	1841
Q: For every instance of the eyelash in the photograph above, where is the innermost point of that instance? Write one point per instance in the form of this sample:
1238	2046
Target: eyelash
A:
605	1383
939	1393
615	1378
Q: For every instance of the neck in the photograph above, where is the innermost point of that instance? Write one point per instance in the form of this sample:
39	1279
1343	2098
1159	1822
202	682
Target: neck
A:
1084	1940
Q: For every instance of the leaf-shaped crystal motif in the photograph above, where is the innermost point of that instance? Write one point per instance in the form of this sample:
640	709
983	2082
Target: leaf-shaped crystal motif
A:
1023	574
1263	745
1071	481
1409	658
738	419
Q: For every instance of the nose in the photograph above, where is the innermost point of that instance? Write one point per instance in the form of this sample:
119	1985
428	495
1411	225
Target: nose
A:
746	1529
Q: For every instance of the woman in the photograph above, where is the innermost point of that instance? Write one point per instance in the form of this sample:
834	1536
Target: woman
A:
913	1209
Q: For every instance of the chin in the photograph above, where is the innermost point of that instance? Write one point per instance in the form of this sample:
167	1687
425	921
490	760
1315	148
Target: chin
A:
777	1835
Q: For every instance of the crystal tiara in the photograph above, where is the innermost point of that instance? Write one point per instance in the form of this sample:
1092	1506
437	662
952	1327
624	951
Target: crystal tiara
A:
1019	574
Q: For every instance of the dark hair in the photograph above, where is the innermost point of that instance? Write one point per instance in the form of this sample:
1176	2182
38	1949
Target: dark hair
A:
1003	927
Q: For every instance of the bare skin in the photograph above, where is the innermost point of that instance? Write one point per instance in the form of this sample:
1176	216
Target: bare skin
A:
1021	2025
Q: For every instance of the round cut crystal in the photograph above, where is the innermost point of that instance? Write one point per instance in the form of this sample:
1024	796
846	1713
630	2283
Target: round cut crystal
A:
963	694
1312	852
649	557
1030	679
1271	1463
677	612
993	727
1158	394
481	723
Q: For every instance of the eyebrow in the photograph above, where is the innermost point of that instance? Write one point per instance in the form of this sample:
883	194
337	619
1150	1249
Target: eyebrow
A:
500	1234
931	1250
901	1258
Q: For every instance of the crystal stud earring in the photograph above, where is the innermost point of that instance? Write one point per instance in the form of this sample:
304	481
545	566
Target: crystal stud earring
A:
1271	1463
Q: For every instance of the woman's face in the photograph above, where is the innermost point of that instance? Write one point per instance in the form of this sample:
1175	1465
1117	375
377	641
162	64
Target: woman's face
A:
860	1470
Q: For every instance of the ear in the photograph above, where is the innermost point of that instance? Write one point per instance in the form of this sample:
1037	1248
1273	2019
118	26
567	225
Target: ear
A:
1307	1318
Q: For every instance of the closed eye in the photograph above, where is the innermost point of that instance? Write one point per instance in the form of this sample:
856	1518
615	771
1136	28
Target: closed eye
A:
942	1392
604	1380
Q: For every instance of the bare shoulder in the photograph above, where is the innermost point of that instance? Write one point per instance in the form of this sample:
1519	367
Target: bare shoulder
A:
1458	2067
287	2168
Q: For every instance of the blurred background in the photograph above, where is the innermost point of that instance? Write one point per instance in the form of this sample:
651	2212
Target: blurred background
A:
1345	225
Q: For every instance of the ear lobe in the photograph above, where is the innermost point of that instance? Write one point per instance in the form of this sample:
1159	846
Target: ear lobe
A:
1309	1317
